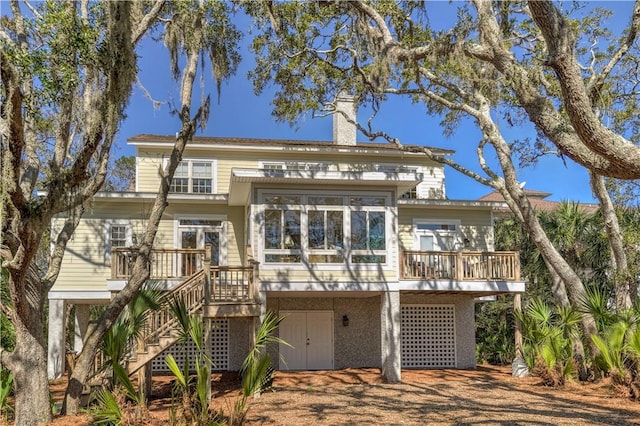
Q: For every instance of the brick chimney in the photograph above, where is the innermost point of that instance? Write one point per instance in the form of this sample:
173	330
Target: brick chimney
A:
344	124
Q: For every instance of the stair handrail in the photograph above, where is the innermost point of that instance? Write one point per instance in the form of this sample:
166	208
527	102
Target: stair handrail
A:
196	282
165	321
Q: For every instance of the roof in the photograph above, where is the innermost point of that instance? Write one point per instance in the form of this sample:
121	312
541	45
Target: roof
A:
531	193
144	139
538	202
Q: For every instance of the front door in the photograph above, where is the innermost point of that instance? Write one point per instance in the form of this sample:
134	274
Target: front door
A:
310	336
198	238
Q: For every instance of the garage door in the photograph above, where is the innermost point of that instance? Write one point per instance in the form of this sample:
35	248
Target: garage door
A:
428	336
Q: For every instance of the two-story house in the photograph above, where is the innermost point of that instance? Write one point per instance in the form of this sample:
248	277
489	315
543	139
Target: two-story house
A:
355	243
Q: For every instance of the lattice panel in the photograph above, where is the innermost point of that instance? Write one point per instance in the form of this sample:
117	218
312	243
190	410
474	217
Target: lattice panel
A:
428	336
219	350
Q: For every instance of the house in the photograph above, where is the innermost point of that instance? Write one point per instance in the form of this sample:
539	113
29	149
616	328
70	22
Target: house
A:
355	243
538	200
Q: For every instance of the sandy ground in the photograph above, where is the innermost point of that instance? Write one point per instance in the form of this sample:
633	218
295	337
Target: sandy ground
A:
488	395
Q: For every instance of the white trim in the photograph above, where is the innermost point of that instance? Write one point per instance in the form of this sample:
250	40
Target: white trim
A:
79	295
456	235
449	286
222	229
304	208
303	146
137	171
309	166
108	224
191	160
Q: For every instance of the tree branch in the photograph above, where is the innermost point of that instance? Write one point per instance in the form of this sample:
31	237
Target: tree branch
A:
539	108
147	21
624	157
57	254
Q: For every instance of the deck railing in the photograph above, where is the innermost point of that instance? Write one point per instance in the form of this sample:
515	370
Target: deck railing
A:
164	263
225	283
233	283
460	265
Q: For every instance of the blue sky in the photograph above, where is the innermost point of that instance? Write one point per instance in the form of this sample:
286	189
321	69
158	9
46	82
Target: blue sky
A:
240	113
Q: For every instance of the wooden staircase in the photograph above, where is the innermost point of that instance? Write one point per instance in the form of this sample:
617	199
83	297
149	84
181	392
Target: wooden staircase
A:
161	330
211	291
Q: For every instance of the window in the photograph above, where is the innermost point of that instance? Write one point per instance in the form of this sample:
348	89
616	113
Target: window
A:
439	234
411	194
193	176
294	165
282	234
318	228
368	236
118	236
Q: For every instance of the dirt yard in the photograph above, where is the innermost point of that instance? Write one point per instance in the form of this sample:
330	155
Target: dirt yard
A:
488	395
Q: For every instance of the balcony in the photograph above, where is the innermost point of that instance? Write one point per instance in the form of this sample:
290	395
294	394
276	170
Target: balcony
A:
460	265
224	286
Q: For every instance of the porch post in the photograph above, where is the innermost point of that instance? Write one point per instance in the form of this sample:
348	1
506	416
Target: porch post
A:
145	377
56	344
81	324
390	339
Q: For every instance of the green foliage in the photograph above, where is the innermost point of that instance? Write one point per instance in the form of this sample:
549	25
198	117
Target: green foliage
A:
547	335
121	337
7	330
6	388
256	368
107	411
114	408
122	176
495	331
193	391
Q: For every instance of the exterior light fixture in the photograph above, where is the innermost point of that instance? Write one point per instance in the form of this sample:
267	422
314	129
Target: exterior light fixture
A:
345	321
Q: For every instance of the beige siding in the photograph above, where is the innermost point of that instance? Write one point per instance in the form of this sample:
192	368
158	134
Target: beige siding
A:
475	225
86	265
150	160
432	185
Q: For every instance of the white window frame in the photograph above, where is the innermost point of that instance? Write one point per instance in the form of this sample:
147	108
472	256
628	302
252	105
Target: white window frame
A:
108	224
455	234
190	177
304	208
224	237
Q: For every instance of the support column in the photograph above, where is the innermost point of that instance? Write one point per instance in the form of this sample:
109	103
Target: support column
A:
81	324
56	342
145	377
518	366
390	339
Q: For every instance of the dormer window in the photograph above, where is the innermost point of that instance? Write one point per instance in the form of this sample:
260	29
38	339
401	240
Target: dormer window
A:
194	177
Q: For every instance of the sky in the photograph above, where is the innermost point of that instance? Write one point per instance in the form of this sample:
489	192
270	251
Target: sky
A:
241	113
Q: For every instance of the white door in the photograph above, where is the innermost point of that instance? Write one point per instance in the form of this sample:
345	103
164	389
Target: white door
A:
293	330
310	335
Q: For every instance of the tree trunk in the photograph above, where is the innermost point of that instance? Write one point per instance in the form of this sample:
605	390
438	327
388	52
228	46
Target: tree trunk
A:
519	203
622	279
30	377
574	287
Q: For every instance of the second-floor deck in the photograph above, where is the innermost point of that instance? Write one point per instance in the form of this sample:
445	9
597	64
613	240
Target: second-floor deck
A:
240	284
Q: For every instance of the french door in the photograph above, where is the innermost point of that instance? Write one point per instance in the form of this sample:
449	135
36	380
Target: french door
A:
197	237
309	335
